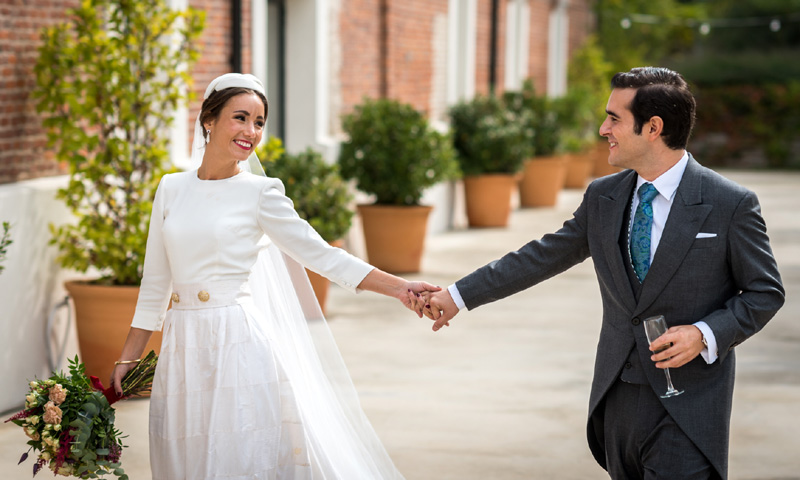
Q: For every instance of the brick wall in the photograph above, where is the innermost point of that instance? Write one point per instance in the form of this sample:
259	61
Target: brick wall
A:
408	56
23	142
410	50
360	40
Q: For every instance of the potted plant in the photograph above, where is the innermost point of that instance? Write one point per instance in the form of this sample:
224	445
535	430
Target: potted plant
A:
544	173
394	154
107	82
320	195
492	147
579	133
588	76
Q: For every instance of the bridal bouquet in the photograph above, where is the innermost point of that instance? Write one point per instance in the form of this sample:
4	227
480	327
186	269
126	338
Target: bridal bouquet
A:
70	421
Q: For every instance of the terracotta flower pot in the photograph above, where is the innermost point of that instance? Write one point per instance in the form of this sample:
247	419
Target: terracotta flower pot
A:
103	317
320	284
395	236
488	199
579	169
542	179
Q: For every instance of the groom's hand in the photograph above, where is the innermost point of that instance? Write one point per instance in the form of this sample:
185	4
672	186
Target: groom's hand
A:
415	298
441	308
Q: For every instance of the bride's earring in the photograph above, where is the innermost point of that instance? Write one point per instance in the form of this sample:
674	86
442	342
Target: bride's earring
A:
208	135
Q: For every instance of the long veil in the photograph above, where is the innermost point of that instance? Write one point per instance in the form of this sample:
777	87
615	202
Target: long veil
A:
340	437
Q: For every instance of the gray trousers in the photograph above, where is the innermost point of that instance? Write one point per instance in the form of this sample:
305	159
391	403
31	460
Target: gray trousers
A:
643	442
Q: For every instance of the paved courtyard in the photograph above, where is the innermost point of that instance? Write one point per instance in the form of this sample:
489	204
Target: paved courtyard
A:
502	394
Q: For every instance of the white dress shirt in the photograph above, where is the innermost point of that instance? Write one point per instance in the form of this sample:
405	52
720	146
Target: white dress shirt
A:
666	184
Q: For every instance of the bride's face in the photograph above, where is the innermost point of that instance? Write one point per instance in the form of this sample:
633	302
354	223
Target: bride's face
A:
238	128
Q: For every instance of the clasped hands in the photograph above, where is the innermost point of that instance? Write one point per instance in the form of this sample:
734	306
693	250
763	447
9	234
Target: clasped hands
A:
433	302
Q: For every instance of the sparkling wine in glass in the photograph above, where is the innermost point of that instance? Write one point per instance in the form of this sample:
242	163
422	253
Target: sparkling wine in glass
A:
654	327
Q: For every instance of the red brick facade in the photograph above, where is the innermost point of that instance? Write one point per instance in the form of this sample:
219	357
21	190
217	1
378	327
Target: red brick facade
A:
360	36
23	143
399	65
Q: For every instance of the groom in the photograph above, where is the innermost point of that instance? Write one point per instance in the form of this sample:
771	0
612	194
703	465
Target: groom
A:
667	237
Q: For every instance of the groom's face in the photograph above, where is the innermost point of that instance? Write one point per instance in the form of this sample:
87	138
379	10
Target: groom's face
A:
626	148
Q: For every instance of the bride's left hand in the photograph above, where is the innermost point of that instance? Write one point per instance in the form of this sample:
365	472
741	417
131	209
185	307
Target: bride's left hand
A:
415	298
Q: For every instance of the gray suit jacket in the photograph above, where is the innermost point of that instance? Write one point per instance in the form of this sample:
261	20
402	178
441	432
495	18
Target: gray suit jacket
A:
730	281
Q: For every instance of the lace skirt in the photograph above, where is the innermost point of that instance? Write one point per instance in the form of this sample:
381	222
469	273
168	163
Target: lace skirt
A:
221	405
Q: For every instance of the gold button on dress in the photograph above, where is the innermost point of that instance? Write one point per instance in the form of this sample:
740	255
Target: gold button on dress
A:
203	296
176	298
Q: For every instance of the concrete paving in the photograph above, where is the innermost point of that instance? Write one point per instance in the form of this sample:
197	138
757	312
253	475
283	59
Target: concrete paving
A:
502	394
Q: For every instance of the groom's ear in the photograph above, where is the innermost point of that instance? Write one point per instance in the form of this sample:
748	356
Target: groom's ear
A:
654	127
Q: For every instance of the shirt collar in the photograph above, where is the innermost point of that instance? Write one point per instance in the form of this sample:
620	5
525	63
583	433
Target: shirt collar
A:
667	183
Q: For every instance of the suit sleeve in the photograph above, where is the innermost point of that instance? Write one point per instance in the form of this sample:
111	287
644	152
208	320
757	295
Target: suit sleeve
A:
154	292
533	263
755	274
295	237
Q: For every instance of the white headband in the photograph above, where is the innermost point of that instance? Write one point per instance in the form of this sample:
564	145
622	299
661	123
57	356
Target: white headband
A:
229	80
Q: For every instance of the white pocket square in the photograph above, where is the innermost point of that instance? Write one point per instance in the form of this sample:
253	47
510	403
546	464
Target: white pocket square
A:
706	235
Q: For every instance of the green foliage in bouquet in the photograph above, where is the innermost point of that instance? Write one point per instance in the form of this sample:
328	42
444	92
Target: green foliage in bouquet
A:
393	153
5	241
70	422
107	84
319	193
488	137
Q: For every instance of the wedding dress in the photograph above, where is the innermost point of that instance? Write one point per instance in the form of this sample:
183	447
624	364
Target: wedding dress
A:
249	383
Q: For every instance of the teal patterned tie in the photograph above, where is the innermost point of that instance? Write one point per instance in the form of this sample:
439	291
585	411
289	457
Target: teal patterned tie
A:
640	231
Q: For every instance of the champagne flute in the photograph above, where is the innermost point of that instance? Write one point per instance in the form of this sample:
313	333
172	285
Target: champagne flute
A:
654	327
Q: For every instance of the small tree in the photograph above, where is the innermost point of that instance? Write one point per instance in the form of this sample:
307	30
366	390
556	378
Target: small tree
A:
108	82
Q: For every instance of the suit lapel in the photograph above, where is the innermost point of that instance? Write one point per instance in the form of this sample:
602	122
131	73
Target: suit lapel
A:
612	212
684	222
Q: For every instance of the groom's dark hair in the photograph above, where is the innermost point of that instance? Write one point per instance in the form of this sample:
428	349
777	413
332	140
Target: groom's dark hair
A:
660	92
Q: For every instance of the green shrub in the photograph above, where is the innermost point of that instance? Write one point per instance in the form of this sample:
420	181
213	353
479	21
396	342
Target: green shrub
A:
393	153
107	82
539	117
488	137
320	194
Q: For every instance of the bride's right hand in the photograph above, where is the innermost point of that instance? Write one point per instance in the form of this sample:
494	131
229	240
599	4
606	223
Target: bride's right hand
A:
118	374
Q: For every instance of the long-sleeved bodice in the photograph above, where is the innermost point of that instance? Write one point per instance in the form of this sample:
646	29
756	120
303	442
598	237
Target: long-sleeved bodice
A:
212	230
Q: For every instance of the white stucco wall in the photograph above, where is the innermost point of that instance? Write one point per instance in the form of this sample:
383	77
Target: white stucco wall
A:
30	286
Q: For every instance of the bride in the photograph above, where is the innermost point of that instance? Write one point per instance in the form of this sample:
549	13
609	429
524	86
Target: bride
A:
249	383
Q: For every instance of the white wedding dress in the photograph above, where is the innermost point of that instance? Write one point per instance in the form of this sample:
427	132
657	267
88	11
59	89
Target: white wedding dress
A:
242	391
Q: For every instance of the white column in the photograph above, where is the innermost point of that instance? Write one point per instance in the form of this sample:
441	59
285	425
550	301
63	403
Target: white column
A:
462	42
517	39
558	50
